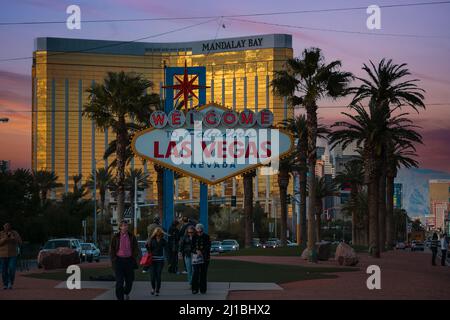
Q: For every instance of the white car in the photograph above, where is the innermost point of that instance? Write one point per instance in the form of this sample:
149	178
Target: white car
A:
89	252
230	245
291	244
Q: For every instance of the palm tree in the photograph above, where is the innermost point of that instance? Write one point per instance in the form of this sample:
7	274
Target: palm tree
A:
398	155
142	182
122	96
352	176
324	188
312	79
359	207
248	206
297	126
104	179
45	181
285	167
371	129
387	89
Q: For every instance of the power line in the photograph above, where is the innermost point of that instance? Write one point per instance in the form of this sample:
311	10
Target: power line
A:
274	108
341	31
415	4
121	43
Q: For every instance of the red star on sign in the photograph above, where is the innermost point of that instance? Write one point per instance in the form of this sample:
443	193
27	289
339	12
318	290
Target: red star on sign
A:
185	86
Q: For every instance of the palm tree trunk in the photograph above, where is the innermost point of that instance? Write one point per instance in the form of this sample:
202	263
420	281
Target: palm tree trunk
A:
311	120
122	138
159	186
319	219
283	182
390	211
382	210
372	191
353	196
303	235
248	207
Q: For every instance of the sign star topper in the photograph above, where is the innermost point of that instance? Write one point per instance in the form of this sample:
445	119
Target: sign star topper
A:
185	87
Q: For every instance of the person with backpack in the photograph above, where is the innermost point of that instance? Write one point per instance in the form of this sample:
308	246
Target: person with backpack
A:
434	248
444	248
185	252
173	243
201	246
157	247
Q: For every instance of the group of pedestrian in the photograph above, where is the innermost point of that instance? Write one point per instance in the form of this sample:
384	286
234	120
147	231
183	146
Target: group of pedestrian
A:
184	240
442	244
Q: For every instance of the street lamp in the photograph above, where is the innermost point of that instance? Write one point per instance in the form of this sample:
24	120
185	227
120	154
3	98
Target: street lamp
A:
135	201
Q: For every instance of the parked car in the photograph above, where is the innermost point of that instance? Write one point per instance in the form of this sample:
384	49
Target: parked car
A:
59	243
270	244
276	240
230	245
291	244
400	246
90	252
142	247
256	243
417	246
216	247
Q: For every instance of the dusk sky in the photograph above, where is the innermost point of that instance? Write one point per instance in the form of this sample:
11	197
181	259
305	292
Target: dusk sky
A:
428	57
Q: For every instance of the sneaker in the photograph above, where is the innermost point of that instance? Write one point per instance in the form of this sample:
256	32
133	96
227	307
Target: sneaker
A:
153	292
194	291
184	272
127	297
157	293
5	287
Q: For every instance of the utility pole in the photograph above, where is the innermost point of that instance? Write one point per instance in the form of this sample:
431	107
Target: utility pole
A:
135	205
95	207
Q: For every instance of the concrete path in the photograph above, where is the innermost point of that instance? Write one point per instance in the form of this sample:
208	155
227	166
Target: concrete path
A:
175	290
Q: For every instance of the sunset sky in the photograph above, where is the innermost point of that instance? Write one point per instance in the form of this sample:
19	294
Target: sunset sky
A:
426	50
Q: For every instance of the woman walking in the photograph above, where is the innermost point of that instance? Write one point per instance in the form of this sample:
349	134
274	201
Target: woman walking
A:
157	246
185	251
200	259
434	248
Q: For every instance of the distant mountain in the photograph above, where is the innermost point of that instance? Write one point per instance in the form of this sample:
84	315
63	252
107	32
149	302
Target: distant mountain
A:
415	189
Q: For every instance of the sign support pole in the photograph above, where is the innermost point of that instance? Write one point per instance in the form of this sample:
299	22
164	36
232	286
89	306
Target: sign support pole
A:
168	177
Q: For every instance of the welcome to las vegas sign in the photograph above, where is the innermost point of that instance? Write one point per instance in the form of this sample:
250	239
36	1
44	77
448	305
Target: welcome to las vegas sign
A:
212	143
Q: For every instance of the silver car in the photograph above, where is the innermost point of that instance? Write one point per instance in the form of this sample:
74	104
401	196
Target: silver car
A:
89	252
230	245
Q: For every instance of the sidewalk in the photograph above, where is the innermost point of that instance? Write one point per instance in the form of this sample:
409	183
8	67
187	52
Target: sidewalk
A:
404	275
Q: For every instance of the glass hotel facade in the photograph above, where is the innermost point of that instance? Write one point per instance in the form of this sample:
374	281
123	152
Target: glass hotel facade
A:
239	71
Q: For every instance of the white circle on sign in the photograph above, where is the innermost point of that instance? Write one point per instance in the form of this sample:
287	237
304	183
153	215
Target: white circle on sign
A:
192	116
265	118
158	119
247	118
229	118
176	119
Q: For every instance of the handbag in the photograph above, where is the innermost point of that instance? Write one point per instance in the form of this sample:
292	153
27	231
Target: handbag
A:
146	260
197	259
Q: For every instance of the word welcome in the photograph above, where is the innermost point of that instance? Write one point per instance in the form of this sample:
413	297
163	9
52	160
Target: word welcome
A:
212	118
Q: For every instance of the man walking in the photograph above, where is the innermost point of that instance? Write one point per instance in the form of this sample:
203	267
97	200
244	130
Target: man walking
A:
124	252
9	242
434	248
444	247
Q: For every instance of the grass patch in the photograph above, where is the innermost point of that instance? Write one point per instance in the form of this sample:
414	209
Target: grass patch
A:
221	271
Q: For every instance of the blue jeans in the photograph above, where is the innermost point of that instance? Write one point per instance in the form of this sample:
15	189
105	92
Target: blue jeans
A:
8	270
155	274
188	262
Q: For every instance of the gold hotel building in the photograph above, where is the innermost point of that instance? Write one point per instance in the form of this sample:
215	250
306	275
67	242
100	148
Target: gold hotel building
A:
239	71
